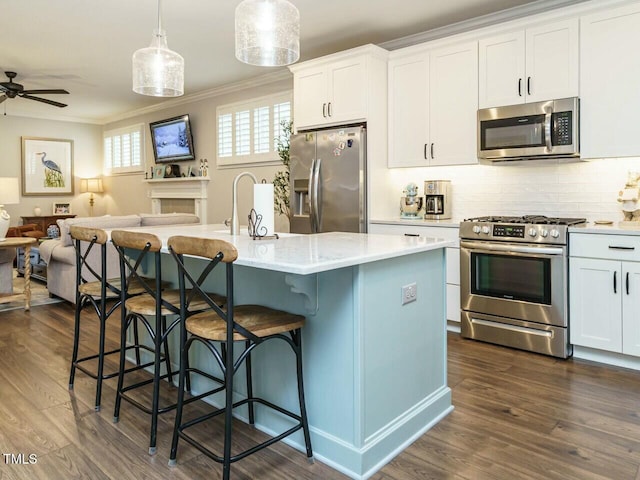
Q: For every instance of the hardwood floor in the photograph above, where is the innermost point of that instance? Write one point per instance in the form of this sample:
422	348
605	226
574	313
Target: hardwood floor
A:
517	416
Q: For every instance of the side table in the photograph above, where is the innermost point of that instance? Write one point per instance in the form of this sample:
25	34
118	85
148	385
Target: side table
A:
44	221
25	242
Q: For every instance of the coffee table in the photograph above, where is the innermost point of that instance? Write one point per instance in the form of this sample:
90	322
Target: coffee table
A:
24	242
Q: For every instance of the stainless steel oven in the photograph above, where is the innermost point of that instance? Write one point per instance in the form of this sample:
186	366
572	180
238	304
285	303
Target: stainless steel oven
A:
513	284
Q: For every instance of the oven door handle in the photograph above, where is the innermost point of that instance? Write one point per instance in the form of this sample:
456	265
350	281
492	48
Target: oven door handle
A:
487	247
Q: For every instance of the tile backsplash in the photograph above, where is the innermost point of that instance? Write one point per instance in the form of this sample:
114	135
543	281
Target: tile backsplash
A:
549	187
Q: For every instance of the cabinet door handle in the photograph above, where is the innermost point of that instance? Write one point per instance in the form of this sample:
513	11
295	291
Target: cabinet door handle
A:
425	151
432	157
528	85
616	247
324	110
519	87
615	282
411	235
329	110
627	282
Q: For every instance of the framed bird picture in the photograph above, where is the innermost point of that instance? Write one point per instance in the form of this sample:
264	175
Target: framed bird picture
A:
47	166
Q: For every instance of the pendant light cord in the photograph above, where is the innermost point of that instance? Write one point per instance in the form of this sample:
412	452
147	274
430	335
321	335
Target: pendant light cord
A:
159	17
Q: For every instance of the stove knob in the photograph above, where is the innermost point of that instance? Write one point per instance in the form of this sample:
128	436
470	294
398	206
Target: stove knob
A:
544	233
555	233
476	229
533	232
485	229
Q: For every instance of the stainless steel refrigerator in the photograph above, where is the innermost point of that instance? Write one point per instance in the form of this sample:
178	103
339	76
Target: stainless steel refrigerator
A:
328	181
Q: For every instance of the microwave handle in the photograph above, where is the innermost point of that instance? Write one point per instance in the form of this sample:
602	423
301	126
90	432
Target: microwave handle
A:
547	131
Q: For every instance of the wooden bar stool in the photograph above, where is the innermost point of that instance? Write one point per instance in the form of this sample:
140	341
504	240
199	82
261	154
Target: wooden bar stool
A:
94	289
252	325
151	310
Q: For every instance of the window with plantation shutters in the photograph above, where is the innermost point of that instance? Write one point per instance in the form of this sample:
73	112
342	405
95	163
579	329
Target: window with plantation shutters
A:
123	150
247	130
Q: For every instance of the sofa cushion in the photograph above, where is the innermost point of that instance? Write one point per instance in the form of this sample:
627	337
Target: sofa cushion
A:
151	219
107	222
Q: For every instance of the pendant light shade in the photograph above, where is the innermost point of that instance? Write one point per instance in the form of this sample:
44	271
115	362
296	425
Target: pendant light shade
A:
267	33
158	71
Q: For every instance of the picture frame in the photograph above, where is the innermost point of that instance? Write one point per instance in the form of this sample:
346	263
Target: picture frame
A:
172	139
60	208
47	166
158	171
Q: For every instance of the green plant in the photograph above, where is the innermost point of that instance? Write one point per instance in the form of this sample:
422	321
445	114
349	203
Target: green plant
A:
281	179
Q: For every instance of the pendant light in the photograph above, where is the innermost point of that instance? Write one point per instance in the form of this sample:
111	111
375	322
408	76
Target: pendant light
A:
267	33
158	71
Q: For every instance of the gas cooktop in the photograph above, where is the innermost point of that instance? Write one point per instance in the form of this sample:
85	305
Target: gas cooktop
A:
529	219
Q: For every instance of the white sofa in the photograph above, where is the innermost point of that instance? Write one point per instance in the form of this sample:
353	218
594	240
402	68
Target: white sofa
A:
60	255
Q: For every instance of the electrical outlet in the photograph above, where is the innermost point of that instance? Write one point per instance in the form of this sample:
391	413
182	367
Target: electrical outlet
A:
409	293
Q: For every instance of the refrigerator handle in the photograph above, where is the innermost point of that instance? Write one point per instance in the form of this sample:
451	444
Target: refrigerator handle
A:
312	217
315	188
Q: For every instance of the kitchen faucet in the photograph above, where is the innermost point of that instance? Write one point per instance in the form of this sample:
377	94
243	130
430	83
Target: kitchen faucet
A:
235	225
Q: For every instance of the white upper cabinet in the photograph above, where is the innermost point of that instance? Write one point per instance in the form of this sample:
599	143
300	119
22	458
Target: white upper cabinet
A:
334	90
454	105
536	64
609	91
409	134
433	99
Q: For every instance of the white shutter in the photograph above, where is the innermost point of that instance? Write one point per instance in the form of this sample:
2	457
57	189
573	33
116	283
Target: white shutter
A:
247	130
225	135
261	130
123	150
243	133
281	113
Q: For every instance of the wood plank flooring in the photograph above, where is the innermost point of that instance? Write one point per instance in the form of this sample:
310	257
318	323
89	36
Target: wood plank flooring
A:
517	416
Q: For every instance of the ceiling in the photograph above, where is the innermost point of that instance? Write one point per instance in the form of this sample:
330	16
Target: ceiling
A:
86	46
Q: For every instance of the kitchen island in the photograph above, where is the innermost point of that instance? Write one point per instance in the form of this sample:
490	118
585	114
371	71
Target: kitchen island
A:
374	368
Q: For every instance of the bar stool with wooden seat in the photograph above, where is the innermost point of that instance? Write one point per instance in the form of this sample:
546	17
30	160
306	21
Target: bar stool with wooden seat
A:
251	324
94	289
156	303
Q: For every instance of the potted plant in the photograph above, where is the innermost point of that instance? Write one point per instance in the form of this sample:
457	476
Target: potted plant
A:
281	179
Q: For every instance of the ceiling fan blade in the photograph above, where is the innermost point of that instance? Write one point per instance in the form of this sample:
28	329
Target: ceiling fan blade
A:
45	100
42	92
3	98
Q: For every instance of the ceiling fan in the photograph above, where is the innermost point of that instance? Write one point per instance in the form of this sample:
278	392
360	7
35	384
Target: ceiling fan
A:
11	89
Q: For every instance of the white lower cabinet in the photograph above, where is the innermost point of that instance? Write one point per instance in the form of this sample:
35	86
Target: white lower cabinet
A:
453	257
604	295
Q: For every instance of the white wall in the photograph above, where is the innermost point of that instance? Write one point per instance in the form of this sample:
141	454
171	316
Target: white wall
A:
87	161
130	191
553	188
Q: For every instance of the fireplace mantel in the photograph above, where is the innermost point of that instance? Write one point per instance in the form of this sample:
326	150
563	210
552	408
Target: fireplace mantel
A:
194	188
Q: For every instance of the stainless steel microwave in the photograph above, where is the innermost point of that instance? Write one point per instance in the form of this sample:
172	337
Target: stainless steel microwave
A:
548	129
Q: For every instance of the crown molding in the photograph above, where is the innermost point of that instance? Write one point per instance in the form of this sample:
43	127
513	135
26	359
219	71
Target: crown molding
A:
272	77
490	19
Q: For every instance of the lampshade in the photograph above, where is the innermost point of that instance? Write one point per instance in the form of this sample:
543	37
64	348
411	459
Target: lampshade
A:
267	33
158	71
92	185
9	190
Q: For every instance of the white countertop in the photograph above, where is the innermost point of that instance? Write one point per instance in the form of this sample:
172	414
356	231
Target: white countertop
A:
616	228
305	254
449	223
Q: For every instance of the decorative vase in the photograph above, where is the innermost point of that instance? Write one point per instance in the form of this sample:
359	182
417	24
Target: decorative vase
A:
37	211
53	231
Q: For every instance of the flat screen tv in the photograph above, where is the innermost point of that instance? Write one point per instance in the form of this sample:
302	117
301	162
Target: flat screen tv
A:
172	140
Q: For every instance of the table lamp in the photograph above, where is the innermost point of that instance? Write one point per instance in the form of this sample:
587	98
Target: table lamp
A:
9	194
91	185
